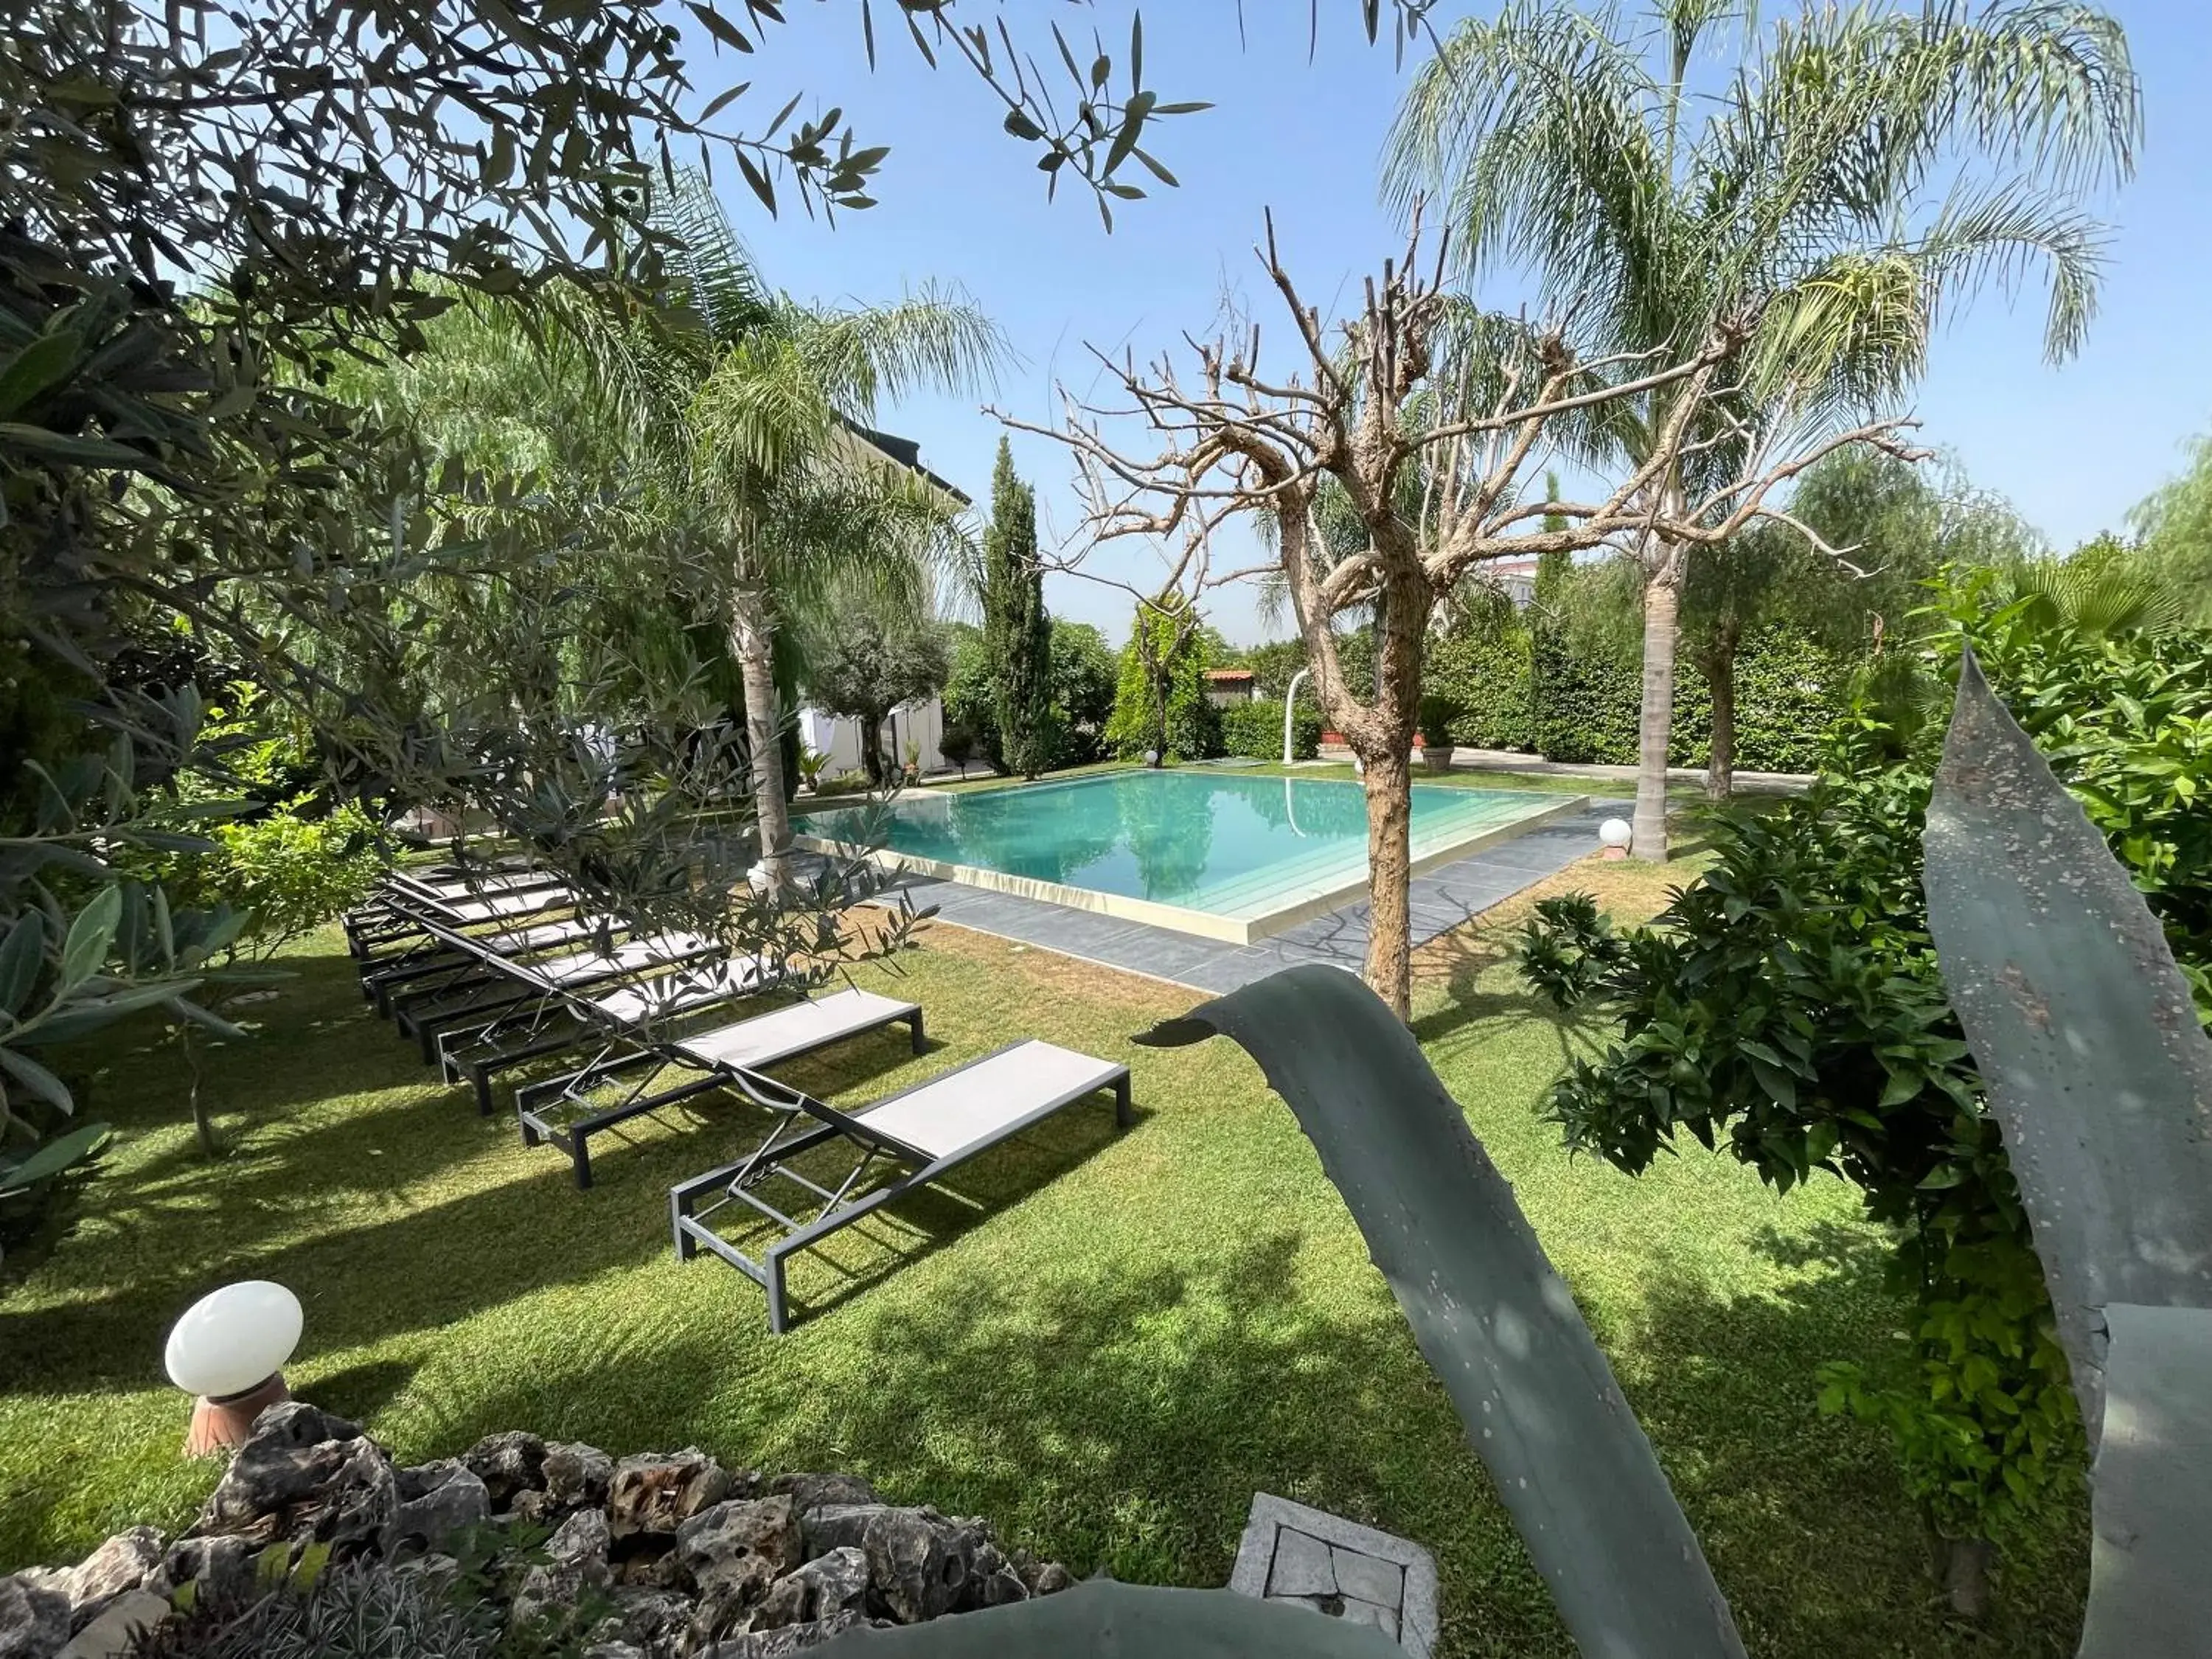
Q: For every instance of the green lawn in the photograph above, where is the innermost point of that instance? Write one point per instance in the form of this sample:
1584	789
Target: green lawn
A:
1105	1343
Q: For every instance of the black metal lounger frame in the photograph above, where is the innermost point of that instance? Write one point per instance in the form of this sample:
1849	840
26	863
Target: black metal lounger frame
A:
529	999
572	1136
839	1207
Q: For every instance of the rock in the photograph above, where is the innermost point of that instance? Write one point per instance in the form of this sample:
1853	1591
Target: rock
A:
1044	1577
220	1569
509	1465
790	1639
833	1526
733	1552
613	1650
34	1617
120	1630
576	1475
833	1583
123	1563
993	1581
918	1563
360	1507
654	1569
294	1453
437	1501
652	1619
813	1491
656	1494
581	1546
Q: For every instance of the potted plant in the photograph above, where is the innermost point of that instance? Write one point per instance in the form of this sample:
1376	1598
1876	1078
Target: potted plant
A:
913	761
811	762
1438	715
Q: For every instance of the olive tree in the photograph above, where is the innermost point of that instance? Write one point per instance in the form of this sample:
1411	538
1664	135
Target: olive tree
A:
1424	426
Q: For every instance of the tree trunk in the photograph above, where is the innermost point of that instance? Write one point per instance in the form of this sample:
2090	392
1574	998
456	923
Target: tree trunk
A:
750	642
1655	722
872	749
1389	876
1966	1577
203	1119
1720	671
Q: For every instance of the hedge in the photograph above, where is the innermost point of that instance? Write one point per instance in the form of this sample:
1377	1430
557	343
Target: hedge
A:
1519	689
1255	730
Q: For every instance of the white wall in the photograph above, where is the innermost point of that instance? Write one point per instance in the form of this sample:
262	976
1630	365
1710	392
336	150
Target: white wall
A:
840	740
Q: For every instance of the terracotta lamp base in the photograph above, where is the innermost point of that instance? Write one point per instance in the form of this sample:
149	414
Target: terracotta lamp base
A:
1614	853
220	1424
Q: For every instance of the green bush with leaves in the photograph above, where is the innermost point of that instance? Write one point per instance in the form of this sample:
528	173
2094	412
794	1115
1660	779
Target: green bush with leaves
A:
1790	1004
1482	674
1571	693
1255	729
1160	703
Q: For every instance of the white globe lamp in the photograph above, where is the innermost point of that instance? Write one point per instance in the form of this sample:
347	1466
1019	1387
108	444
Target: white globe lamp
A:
1152	757
229	1349
1615	834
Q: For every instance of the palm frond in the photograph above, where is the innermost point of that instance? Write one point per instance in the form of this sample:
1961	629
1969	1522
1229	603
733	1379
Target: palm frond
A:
935	339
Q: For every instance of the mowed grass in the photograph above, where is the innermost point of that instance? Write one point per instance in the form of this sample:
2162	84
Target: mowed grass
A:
1103	1342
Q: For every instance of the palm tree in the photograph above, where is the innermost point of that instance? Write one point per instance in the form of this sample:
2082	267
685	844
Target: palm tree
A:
709	458
1862	168
766	457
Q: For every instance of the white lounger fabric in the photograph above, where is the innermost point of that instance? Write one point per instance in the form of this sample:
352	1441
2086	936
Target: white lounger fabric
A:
977	1102
682	992
630	956
767	1038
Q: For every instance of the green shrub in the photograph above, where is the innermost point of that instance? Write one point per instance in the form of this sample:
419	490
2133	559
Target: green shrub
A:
293	859
1790	1004
1193	724
1255	730
957	744
1481	679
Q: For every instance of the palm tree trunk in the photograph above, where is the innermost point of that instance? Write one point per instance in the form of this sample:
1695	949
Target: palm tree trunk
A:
1720	674
750	642
1656	722
1389	876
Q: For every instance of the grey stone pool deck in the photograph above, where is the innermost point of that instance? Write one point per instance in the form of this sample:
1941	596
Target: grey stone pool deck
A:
1442	900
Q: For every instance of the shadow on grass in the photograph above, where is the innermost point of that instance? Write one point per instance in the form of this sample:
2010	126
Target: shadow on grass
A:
1121	1421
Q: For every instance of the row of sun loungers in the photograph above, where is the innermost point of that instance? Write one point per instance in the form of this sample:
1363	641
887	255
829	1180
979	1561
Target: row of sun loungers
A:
494	970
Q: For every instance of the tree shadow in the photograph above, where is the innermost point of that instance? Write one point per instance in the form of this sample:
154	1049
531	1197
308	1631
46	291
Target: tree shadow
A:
1122	1417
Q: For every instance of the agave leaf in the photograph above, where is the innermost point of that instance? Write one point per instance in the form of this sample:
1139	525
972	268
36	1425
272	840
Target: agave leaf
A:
1102	1620
2083	1029
2152	1487
1491	1317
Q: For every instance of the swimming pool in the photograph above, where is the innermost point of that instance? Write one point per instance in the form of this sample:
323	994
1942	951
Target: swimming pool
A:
1228	855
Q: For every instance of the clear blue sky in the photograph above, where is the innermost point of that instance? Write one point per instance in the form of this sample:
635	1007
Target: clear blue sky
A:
2073	448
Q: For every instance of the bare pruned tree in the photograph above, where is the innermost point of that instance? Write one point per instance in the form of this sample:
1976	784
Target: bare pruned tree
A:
1422	422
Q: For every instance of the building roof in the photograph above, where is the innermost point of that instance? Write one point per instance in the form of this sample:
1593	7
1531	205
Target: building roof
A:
908	454
1229	673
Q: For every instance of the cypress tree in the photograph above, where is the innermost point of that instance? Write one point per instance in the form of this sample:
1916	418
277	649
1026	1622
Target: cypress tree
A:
1016	632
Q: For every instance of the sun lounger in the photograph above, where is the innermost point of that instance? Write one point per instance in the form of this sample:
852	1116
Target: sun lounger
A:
929	1130
386	916
504	981
514	1038
711	1056
381	981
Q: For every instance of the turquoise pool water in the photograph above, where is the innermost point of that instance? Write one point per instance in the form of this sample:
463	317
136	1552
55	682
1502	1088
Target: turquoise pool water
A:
1223	842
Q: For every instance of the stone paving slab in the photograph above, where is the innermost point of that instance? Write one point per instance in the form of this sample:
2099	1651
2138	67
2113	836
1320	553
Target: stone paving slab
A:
1308	1557
1439	900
